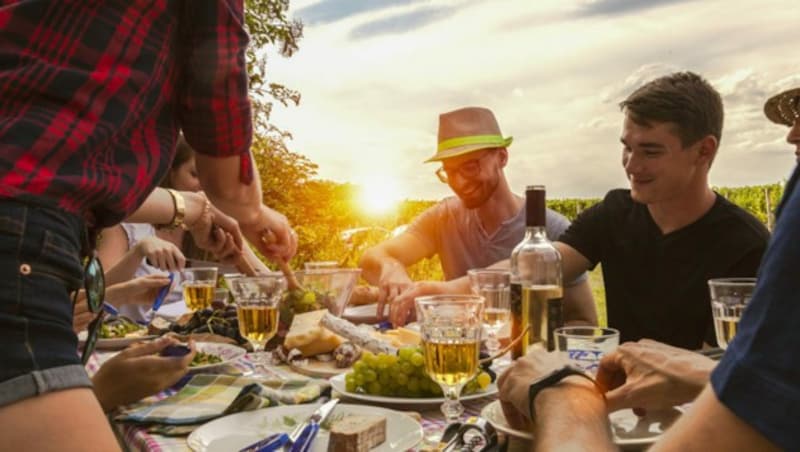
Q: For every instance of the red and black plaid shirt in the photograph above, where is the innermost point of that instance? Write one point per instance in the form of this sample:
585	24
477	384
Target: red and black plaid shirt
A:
93	93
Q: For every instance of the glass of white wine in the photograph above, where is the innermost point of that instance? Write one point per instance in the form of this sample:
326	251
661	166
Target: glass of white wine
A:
494	285
729	297
198	287
451	337
257	301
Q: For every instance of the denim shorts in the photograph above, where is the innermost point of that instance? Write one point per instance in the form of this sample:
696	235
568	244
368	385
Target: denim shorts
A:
39	266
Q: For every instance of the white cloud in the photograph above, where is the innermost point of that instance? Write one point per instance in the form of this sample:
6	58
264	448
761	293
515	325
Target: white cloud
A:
370	105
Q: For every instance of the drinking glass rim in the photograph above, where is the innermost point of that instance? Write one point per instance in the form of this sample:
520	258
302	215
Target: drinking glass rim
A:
566	331
200	268
733	282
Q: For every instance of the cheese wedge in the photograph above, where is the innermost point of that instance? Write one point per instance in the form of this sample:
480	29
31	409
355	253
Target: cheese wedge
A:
307	335
357	433
400	337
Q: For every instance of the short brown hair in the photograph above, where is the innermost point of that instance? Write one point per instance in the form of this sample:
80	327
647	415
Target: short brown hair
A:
682	98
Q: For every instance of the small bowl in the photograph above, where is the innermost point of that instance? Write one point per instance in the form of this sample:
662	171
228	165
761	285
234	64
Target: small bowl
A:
336	284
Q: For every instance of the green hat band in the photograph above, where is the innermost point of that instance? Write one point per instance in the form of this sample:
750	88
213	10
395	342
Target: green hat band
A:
470	140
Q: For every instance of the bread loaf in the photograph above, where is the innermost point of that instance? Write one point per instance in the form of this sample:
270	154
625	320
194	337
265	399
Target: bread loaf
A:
307	335
357	433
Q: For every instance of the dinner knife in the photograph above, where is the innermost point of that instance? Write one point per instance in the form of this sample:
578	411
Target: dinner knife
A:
301	440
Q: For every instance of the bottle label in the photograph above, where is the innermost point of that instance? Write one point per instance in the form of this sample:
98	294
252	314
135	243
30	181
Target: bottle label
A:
515	300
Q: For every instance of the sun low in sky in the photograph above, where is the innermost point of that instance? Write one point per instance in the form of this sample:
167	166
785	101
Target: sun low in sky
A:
375	75
378	195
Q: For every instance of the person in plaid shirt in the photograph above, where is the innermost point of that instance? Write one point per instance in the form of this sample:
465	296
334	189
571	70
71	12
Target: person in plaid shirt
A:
93	97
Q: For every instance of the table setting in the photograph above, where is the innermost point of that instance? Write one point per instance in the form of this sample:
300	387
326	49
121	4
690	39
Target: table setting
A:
420	387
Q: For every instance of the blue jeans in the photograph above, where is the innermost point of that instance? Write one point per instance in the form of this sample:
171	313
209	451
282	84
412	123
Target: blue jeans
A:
39	266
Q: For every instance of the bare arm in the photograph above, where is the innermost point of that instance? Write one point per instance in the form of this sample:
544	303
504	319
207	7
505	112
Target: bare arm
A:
219	177
159	208
710	426
111	249
569	415
560	408
384	265
579	307
573	263
393	254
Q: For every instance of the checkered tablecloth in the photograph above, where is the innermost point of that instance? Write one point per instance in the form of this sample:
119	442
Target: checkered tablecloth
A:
137	438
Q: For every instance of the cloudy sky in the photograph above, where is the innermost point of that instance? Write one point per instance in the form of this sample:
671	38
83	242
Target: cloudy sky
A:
375	74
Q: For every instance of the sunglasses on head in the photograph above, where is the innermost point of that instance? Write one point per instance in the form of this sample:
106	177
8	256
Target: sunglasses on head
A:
94	285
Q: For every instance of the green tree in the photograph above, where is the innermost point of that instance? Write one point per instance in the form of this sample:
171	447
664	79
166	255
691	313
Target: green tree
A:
269	26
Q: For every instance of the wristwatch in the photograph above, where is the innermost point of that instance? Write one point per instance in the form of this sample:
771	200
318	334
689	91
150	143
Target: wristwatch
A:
555	377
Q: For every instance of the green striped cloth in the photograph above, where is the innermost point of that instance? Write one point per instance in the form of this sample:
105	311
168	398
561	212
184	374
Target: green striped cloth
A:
206	397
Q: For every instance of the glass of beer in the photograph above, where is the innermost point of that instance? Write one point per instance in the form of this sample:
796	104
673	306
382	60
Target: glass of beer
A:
729	296
257	301
494	285
198	287
451	337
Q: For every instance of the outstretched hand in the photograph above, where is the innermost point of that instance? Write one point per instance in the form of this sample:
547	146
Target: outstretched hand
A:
138	372
272	235
161	253
649	375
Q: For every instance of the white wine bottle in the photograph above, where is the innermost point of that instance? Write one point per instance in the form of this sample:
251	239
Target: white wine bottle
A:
536	287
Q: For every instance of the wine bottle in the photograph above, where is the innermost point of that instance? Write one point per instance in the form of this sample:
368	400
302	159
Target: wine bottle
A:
536	287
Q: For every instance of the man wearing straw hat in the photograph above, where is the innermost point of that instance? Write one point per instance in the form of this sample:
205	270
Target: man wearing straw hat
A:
753	397
478	227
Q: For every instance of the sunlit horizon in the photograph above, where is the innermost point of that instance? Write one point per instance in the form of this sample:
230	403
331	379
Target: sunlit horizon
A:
553	72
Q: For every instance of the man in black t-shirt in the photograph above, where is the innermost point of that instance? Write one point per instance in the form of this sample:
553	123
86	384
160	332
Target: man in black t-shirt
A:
660	241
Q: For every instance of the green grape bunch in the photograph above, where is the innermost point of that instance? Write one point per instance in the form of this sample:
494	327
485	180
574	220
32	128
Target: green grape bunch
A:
401	375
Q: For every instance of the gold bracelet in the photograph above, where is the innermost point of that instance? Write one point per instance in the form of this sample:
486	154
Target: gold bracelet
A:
180	209
206	210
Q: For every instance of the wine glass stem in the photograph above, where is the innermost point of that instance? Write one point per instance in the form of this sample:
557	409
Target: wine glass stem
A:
452	407
492	343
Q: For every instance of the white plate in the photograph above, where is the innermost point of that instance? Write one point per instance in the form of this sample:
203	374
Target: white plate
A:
628	429
338	385
172	311
367	313
239	430
229	353
117	343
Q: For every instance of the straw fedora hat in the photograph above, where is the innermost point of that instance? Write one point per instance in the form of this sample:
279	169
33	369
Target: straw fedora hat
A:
784	108
467	130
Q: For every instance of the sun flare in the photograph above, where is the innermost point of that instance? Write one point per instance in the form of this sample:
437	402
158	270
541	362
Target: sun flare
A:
378	195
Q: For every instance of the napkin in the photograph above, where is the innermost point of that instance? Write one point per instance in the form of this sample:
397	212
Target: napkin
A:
206	397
